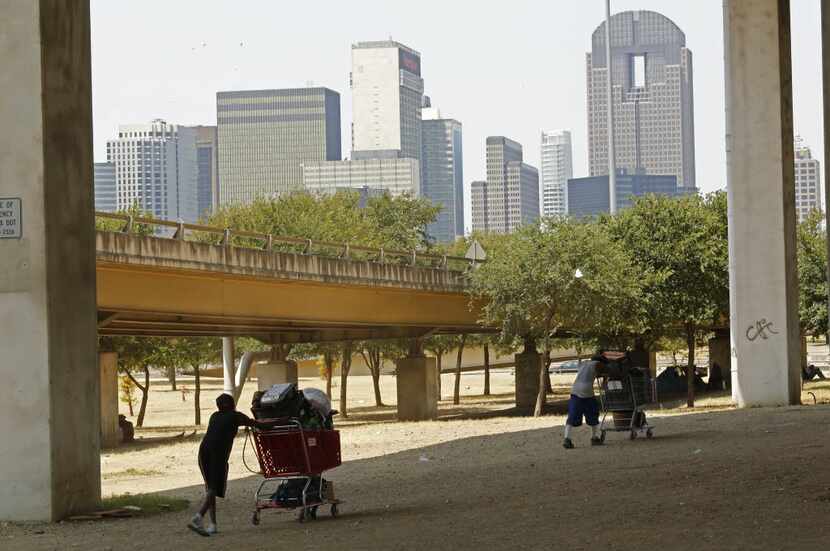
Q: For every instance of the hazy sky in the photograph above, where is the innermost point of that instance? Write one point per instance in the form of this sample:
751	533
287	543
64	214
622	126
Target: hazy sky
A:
501	68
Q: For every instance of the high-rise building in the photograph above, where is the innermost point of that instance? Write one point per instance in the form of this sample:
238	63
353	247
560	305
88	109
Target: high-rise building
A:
387	94
652	97
510	196
807	178
394	175
106	199
557	169
442	175
155	169
266	135
589	196
207	166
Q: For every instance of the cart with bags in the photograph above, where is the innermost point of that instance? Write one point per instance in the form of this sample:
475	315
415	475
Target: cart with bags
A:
295	452
625	399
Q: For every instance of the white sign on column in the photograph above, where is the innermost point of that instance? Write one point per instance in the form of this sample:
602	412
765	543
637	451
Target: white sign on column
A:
11	214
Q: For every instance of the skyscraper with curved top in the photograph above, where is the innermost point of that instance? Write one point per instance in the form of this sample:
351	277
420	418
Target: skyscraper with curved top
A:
652	94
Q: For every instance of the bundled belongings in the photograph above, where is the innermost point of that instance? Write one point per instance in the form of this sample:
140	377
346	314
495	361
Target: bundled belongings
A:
278	402
311	407
321	405
290	492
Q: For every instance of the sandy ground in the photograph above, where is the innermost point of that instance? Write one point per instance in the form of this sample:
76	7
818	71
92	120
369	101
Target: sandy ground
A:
483	478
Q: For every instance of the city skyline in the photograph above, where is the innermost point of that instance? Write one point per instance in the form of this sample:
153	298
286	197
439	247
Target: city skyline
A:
228	51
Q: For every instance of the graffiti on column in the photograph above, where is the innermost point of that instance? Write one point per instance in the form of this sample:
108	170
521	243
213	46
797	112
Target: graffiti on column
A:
760	329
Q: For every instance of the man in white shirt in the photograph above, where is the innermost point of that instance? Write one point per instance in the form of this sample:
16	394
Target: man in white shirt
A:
583	403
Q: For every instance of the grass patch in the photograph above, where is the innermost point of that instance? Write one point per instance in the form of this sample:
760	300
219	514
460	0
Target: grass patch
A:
132	472
150	504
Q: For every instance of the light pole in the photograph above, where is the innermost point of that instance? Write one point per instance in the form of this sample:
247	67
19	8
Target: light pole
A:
612	161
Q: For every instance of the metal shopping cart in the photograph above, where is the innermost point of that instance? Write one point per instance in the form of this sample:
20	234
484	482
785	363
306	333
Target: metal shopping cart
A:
293	458
625	398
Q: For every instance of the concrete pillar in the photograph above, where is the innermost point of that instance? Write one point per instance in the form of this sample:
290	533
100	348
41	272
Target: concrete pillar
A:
762	255
49	414
276	372
528	364
108	366
825	56
417	385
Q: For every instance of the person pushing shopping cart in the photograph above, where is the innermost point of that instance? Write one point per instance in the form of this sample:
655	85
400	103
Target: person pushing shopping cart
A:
583	403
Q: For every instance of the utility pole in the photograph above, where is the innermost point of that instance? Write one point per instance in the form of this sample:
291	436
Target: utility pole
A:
612	160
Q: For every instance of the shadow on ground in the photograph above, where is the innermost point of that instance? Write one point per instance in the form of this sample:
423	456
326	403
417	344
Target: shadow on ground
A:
721	480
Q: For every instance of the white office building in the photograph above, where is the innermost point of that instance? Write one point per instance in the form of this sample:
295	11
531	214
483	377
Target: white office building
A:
557	169
807	181
387	92
156	169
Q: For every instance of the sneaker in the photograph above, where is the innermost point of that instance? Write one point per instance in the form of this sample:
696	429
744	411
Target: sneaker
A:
596	441
212	529
567	444
195	524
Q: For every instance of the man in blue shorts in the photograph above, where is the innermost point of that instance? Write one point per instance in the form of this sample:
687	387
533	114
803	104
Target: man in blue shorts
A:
583	403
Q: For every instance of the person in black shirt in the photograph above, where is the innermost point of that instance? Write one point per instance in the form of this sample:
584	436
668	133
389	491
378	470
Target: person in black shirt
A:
213	458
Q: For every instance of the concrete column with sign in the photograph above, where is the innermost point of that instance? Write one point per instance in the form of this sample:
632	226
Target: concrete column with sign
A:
49	414
763	283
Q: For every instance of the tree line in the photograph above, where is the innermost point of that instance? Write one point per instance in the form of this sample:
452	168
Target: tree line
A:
647	278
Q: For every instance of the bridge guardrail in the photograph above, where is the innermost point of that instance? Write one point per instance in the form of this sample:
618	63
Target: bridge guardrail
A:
262	241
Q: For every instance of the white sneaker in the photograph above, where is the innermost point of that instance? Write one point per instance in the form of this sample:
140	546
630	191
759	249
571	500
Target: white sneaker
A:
195	524
211	529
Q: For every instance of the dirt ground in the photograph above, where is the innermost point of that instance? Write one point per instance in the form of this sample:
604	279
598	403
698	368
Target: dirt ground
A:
484	478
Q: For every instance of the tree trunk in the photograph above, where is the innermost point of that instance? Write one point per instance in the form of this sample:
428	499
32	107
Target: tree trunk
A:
345	366
145	391
690	368
486	369
197	387
171	376
456	395
328	360
541	397
546	361
372	358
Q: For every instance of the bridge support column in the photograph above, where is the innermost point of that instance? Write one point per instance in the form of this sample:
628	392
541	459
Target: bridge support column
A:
108	365
762	254
49	414
276	372
528	364
417	386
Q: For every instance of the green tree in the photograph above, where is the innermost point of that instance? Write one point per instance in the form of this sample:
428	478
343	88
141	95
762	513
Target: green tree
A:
812	274
136	355
682	241
438	346
559	274
194	352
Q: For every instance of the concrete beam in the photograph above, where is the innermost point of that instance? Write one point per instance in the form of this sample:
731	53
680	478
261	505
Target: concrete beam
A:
762	254
49	414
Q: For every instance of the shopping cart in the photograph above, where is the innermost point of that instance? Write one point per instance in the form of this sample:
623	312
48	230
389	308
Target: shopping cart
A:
293	456
626	399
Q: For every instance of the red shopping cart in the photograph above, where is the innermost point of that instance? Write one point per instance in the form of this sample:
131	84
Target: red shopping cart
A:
292	461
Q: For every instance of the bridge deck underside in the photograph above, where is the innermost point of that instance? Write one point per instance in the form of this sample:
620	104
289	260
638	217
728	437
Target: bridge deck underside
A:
136	300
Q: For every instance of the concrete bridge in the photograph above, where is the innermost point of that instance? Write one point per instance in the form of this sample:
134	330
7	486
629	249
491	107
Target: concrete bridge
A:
148	285
50	460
